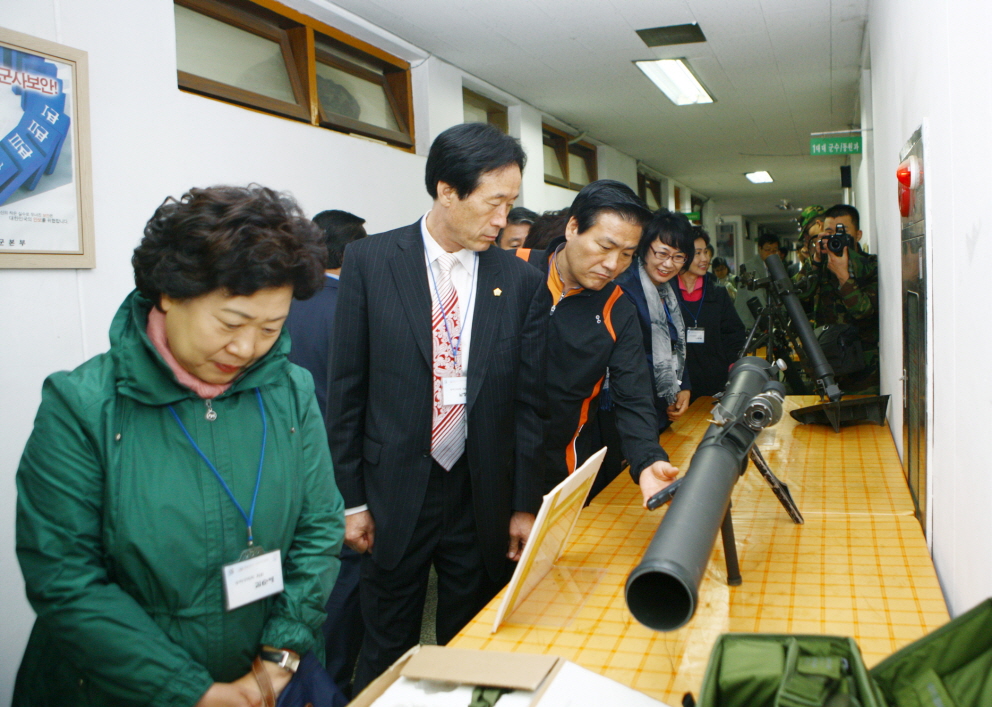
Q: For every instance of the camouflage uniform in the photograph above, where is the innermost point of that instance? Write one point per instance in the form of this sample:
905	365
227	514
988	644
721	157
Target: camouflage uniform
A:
855	303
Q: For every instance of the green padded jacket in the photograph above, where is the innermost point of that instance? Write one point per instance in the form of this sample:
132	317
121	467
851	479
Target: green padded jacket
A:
122	529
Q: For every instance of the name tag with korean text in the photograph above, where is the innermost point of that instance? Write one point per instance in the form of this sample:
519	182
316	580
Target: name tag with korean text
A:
695	335
250	580
454	390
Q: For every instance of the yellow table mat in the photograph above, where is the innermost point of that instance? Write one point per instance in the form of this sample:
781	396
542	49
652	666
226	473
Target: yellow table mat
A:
858	567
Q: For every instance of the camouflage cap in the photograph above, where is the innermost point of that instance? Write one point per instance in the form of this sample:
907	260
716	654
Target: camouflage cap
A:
810	213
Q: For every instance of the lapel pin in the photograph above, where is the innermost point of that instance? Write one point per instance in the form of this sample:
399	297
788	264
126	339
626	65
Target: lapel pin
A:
497	292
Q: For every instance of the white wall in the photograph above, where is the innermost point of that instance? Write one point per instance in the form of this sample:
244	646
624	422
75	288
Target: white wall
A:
923	62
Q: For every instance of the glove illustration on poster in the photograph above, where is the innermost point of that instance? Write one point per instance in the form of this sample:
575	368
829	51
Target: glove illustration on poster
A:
45	202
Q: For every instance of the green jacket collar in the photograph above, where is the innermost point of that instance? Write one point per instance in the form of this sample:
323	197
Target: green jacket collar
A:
144	375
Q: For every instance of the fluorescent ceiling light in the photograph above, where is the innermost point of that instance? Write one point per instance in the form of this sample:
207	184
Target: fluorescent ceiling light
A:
759	177
676	80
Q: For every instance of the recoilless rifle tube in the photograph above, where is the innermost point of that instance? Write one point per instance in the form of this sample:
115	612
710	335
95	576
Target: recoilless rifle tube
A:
782	285
662	591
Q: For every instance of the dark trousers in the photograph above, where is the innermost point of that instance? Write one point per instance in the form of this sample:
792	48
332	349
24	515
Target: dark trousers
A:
343	629
393	601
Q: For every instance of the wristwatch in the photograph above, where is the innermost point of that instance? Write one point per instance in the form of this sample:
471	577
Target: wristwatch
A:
287	660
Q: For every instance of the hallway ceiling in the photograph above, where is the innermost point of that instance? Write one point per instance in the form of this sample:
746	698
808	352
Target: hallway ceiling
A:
778	69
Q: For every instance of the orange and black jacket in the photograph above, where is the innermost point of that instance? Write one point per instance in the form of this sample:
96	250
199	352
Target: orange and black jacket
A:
589	333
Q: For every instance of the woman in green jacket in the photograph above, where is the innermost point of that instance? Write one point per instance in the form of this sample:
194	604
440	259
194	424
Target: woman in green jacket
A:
172	485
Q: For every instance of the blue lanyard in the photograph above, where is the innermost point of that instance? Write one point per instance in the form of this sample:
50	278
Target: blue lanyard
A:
250	516
699	310
455	345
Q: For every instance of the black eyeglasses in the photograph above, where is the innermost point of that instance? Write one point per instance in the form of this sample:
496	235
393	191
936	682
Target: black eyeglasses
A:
676	258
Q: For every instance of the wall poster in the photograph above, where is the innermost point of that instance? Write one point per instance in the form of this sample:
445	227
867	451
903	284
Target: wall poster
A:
46	198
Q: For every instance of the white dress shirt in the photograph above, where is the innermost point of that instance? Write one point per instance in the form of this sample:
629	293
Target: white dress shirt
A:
464	278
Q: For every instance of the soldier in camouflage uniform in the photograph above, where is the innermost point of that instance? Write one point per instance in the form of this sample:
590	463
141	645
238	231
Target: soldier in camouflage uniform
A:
843	289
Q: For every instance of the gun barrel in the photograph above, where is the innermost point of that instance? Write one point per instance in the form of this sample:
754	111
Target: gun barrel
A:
800	323
662	591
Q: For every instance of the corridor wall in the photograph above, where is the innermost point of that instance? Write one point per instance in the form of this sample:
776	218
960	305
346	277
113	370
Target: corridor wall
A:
924	61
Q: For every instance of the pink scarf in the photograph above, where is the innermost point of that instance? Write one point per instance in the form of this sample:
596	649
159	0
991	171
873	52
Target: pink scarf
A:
156	332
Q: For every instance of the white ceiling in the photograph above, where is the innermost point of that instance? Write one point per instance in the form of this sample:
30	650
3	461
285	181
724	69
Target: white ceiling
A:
778	69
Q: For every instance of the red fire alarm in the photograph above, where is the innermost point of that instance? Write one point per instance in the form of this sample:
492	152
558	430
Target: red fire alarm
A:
909	174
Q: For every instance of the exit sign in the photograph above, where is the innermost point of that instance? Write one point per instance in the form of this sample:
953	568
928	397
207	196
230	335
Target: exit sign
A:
849	145
694	215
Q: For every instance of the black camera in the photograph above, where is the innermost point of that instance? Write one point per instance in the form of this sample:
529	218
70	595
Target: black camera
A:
840	240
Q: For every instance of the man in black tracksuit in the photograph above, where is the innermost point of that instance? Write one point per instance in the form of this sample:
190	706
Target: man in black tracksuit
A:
594	330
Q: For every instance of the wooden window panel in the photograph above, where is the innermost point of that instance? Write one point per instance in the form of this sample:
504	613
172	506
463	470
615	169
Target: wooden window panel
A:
584	151
558	142
649	190
395	87
264	25
495	113
295	34
587	153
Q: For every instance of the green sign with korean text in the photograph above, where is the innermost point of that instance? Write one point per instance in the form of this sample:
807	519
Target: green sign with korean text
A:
836	145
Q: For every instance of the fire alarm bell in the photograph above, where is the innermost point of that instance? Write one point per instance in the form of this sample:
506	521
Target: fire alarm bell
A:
909	175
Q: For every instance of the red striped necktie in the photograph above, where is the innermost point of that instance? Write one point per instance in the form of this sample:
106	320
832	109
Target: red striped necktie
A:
448	434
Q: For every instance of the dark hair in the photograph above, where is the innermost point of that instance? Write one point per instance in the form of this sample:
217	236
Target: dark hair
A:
546	227
340	228
611	196
239	239
839	210
520	214
765	238
463	153
720	262
674	230
698	232
517	216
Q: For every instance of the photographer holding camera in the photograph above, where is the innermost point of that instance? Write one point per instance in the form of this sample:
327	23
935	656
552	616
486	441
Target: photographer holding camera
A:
838	282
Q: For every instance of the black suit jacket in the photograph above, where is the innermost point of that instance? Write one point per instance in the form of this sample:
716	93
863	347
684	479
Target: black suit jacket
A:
309	325
381	390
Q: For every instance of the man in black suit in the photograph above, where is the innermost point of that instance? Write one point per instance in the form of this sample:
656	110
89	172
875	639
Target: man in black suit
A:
436	404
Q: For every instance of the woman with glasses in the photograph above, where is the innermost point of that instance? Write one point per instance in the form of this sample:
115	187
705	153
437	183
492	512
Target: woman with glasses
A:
665	249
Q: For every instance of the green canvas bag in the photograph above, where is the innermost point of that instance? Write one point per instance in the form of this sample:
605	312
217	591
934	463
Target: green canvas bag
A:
950	667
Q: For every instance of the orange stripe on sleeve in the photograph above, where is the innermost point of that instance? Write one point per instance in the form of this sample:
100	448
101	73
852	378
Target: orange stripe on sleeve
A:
583	418
608	311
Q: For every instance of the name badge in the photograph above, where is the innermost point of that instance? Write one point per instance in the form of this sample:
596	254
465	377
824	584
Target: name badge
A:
250	580
696	335
454	390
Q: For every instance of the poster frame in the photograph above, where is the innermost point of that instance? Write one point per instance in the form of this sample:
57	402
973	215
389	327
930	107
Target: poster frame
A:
84	256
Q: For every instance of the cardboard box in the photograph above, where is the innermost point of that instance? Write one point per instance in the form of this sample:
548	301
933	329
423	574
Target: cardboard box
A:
551	680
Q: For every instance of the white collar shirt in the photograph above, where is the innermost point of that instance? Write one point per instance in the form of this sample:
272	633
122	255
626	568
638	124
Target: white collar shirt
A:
464	278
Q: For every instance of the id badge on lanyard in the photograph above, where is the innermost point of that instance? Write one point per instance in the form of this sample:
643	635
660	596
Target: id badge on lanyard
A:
695	335
256	574
454	390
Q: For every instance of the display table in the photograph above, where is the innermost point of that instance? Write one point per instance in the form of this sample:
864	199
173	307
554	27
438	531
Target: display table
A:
858	567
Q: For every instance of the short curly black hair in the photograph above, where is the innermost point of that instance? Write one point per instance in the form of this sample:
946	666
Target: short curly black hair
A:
237	239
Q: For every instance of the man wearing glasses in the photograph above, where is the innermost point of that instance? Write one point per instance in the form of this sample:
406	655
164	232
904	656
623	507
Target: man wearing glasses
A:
594	341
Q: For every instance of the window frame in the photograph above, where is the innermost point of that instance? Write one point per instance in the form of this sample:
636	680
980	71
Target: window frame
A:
296	35
646	183
586	151
497	114
390	87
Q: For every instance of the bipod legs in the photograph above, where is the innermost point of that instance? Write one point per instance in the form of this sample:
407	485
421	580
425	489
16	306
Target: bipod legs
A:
730	550
780	489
